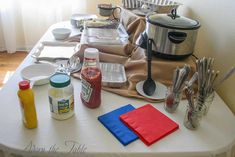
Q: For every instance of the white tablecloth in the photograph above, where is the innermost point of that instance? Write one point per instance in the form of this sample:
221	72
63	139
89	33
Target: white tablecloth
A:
84	135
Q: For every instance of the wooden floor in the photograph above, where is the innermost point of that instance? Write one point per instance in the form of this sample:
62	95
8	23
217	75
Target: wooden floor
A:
8	64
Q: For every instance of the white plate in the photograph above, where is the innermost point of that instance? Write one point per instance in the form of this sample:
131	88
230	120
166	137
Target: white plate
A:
40	73
159	94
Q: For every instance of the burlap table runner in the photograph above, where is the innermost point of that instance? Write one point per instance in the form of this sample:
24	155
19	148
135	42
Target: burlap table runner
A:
134	59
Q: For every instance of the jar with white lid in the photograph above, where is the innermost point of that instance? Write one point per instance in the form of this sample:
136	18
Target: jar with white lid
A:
61	97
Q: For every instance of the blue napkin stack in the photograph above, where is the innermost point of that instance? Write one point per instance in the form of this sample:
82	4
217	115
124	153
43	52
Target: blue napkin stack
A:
112	122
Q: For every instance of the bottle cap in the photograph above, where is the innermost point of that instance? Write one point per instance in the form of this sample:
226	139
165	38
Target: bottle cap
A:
91	53
23	85
60	80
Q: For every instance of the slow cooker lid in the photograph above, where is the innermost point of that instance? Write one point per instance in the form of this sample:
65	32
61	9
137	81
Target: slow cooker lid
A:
172	21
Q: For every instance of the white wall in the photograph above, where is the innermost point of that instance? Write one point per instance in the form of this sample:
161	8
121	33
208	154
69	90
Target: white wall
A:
216	37
1	39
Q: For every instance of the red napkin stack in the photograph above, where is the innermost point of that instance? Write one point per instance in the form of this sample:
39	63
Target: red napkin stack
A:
149	123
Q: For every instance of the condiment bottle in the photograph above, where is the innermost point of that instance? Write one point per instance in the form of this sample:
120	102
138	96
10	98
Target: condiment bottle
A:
61	97
26	97
91	79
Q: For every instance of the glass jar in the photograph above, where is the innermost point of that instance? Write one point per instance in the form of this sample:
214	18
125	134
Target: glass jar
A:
61	97
203	103
208	101
172	100
91	79
192	119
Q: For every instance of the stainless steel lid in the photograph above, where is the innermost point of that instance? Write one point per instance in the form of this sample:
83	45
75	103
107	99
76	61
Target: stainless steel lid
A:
172	21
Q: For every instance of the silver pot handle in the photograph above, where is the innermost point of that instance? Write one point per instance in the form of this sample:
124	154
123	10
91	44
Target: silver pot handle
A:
113	13
173	14
177	37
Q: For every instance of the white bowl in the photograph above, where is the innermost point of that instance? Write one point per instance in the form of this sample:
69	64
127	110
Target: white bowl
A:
61	33
40	73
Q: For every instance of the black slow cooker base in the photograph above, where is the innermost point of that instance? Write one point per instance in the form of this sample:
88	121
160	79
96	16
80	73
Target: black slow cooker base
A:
170	57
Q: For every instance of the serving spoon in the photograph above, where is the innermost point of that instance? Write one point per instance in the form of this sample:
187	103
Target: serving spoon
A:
149	85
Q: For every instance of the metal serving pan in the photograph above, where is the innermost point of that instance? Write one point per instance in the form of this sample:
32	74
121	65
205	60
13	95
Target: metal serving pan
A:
113	75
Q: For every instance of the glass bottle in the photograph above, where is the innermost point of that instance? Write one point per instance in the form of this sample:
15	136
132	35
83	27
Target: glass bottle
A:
91	79
26	97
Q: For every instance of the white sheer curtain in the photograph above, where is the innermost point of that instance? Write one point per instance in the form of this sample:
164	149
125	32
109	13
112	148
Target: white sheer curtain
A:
22	22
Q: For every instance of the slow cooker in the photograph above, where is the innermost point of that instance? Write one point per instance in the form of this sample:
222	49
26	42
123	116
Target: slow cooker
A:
173	36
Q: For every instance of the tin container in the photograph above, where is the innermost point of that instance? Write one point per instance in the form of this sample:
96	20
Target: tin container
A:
113	75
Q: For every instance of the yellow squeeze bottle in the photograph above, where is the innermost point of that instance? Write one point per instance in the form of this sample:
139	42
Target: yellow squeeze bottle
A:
26	97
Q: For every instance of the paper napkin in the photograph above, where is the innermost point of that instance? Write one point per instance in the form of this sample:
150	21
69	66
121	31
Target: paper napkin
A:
112	122
149	123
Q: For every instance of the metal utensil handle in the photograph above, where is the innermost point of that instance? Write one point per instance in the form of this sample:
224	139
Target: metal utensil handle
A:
193	79
149	56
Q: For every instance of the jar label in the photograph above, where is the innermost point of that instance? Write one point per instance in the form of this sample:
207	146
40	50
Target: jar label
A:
90	62
86	90
61	106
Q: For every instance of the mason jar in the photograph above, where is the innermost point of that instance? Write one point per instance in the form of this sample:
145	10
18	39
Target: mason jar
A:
208	101
192	119
61	97
172	100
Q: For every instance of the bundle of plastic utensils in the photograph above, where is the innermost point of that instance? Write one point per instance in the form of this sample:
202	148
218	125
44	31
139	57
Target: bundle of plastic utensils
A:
179	77
207	79
173	95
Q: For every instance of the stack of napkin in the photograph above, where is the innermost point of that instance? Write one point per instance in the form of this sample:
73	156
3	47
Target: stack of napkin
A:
147	123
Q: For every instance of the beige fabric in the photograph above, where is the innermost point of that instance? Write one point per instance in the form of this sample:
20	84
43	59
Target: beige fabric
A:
136	70
134	60
133	24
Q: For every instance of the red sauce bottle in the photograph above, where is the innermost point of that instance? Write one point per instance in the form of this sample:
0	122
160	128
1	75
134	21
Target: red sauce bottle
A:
91	79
